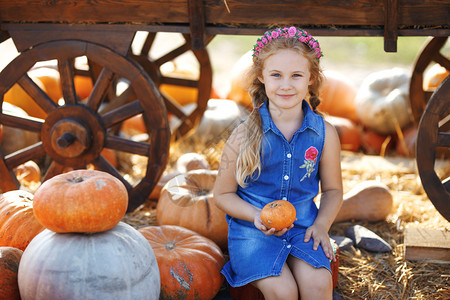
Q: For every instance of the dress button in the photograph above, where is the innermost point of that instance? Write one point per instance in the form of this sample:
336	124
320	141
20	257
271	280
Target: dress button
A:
288	246
289	155
284	198
286	177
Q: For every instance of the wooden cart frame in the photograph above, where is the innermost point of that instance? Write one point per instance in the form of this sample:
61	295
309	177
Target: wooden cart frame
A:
74	134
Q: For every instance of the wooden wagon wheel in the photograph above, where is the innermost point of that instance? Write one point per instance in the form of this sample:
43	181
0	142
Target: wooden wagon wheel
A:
202	85
430	136
74	133
429	54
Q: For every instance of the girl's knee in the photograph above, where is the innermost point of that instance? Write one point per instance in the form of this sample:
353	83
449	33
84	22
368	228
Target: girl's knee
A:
278	289
320	284
281	292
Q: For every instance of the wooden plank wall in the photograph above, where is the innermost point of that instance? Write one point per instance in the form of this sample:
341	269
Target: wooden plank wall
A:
255	12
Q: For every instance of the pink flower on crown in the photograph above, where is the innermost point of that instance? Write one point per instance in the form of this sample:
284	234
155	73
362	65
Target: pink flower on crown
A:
305	33
260	44
302	39
316	44
308	37
274	34
317	50
264	40
319	55
292	31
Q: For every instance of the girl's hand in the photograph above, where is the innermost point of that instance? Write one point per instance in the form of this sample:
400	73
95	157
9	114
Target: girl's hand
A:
320	236
259	224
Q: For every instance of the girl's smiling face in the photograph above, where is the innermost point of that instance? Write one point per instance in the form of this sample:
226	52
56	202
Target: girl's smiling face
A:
286	78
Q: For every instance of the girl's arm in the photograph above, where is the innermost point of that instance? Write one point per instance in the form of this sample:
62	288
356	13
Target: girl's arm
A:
331	187
225	196
225	187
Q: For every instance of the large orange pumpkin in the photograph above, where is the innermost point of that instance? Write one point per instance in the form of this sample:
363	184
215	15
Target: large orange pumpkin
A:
9	266
17	96
278	214
338	96
189	264
83	86
372	142
18	226
134	125
349	134
187	200
182	94
81	201
49	76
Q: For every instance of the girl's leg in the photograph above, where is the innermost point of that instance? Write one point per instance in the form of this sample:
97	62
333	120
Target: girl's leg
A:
314	283
283	287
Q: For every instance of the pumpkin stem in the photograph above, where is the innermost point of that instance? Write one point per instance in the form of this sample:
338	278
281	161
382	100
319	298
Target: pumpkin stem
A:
272	205
77	179
203	192
170	246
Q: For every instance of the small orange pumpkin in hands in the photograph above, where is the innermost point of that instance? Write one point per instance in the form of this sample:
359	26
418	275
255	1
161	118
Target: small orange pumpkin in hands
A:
278	214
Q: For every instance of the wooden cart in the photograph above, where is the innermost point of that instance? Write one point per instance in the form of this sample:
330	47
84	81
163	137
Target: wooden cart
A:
74	133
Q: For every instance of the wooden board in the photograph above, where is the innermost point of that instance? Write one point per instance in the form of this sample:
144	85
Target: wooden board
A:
427	244
323	12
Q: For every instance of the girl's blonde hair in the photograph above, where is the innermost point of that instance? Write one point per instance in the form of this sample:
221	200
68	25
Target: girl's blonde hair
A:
248	165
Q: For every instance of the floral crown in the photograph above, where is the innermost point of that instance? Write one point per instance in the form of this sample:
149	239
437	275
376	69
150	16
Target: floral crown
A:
291	32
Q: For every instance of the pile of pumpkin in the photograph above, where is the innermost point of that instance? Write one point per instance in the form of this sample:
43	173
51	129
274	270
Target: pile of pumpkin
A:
67	241
76	245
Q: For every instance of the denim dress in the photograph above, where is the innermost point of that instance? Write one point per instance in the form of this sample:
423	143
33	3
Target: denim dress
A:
289	171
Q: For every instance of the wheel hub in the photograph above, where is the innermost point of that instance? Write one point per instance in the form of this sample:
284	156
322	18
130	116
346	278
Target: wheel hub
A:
72	135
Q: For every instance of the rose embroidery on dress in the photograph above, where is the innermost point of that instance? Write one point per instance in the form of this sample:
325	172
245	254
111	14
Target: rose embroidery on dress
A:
310	161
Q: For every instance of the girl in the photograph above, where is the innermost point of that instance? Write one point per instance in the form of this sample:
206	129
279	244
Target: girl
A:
282	151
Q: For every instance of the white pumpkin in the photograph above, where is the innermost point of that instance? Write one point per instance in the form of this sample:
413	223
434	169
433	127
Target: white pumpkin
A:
219	119
382	101
115	264
238	89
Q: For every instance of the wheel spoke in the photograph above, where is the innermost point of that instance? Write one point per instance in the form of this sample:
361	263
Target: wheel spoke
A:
148	43
25	123
100	89
8	180
126	145
102	164
66	71
122	113
117	101
174	107
173	54
443	140
54	169
38	95
442	60
23	155
179	81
